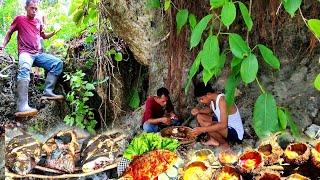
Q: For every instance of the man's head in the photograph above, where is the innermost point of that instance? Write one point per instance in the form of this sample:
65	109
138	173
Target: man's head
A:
201	91
162	96
31	8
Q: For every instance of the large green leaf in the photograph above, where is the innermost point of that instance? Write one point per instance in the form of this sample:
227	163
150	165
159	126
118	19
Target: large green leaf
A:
228	14
198	30
235	61
282	118
230	87
181	19
314	26
265	117
238	46
210	57
153	3
193	70
291	6
78	15
246	16
134	99
192	21
249	68
207	75
217	3
317	82
269	57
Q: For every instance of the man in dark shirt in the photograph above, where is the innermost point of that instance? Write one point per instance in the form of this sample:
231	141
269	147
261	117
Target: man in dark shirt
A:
158	112
30	31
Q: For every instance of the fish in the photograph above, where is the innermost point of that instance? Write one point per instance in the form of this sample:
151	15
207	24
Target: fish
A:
100	150
60	151
22	154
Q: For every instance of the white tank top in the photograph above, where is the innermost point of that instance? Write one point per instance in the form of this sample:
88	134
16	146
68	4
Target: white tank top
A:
234	120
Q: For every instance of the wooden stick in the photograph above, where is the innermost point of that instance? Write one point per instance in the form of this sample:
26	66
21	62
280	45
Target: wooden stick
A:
63	176
48	169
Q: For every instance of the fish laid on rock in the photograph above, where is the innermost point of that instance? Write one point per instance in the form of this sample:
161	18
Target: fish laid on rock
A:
101	150
22	154
60	151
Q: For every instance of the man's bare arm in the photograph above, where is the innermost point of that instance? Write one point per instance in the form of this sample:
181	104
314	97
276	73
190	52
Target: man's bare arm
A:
6	40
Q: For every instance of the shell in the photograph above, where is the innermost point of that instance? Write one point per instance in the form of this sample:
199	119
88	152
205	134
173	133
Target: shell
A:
202	171
297	153
269	175
204	155
228	157
250	161
297	177
271	152
315	155
228	171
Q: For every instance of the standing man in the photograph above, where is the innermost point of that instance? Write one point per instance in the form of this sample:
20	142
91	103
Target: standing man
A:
158	112
221	124
30	31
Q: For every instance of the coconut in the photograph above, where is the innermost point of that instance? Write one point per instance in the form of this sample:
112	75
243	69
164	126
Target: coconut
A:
228	157
226	173
269	175
250	161
297	177
315	155
271	152
297	153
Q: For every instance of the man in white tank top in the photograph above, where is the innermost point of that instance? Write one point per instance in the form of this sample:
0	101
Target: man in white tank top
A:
221	123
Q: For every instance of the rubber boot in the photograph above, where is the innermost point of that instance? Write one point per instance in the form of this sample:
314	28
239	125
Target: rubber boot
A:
50	83
23	108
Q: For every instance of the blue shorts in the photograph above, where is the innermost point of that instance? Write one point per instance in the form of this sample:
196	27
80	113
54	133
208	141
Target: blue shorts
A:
232	133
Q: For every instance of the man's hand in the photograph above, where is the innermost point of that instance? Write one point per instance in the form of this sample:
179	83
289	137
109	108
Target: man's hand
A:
197	131
195	111
166	121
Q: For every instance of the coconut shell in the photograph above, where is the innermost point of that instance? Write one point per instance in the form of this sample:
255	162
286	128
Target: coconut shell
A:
269	175
228	157
297	153
250	161
271	152
315	155
227	172
297	177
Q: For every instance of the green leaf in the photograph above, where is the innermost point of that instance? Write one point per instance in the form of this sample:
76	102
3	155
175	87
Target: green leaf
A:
269	57
167	4
249	68
181	19
88	94
265	117
314	26
134	99
118	56
282	118
217	3
192	21
238	46
153	3
198	30
235	61
317	82
77	16
193	70
210	57
90	86
206	76
246	16
228	14
230	88
291	6
292	125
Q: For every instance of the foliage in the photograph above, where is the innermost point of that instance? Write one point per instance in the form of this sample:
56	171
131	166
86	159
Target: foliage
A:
245	62
134	100
285	120
81	114
146	142
317	82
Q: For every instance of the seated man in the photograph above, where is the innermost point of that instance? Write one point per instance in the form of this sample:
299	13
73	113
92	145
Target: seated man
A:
158	112
221	125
